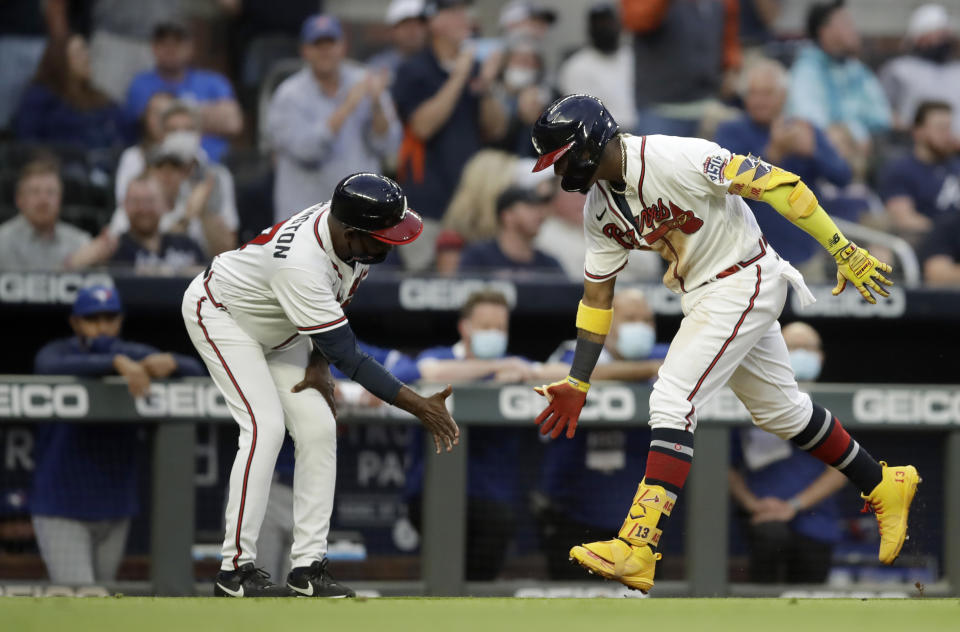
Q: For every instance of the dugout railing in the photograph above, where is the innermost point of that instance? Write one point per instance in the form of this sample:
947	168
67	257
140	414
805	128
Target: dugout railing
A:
175	407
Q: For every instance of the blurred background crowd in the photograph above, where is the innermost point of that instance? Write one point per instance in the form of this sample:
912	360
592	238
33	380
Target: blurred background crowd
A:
151	136
144	137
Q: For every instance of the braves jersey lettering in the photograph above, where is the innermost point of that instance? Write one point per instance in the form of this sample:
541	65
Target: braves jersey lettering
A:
674	188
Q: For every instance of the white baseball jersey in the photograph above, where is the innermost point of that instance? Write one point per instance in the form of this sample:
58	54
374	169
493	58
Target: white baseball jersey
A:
286	281
676	203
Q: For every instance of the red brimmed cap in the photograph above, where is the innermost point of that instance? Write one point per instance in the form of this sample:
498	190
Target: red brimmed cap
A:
405	231
548	159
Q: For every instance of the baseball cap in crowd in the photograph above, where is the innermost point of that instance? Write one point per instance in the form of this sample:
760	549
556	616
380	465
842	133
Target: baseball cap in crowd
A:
320	26
180	147
520	10
400	10
431	7
928	18
171	28
97	299
449	239
514	194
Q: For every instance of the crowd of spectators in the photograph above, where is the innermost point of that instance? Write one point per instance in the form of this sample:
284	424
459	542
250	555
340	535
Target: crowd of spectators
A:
107	109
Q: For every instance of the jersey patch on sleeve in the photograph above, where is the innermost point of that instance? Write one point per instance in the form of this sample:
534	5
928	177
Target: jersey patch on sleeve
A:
713	167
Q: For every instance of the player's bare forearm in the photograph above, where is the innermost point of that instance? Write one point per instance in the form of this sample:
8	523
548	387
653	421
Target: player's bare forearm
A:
223	117
740	492
825	485
435	111
219	237
599	295
493	118
458	370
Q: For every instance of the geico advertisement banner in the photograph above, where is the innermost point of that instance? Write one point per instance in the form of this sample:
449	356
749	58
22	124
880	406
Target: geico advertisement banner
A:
110	402
23	398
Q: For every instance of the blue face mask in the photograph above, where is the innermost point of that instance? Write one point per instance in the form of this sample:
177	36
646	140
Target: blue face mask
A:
806	364
488	343
635	340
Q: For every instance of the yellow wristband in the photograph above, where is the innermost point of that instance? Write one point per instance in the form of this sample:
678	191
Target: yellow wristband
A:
594	320
580	385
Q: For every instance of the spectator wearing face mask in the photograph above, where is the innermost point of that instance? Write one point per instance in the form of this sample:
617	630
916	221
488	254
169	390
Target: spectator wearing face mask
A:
603	68
522	89
927	71
524	92
493	453
787	496
85	488
200	196
582	479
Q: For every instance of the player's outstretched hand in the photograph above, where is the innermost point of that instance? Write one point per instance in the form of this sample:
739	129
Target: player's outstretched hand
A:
317	376
433	414
863	270
565	400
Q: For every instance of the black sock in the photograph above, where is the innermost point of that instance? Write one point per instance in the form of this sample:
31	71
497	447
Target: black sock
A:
826	439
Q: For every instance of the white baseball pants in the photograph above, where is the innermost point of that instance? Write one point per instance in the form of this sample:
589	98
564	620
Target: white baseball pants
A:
730	336
256	382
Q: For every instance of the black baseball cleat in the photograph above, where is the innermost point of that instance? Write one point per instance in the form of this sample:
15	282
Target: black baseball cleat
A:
316	581
248	581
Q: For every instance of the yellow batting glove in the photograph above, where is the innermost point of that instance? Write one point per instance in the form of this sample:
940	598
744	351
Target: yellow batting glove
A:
858	266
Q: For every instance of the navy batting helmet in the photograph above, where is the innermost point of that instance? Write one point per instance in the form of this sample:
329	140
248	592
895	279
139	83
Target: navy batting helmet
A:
376	205
577	124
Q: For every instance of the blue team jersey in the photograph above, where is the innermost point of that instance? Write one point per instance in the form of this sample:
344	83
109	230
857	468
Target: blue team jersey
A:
784	479
197	86
592	477
89	471
934	188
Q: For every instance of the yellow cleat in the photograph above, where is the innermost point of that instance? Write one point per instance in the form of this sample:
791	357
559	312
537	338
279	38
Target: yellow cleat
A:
890	501
632	566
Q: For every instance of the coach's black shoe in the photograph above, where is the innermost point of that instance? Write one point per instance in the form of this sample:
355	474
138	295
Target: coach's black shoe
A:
248	581
316	581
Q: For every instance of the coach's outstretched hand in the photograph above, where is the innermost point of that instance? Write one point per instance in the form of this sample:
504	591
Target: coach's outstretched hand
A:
432	413
565	401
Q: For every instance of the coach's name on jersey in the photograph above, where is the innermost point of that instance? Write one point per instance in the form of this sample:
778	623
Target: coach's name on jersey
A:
287	233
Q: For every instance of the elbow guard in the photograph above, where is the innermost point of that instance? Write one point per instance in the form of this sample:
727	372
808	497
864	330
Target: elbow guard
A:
752	178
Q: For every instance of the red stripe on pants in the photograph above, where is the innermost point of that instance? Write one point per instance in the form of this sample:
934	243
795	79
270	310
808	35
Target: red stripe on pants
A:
666	468
834	446
253	420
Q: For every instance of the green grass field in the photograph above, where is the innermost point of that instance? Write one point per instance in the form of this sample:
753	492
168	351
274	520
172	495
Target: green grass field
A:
135	614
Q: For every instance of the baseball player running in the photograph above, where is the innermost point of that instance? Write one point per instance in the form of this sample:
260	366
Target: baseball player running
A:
254	315
682	198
